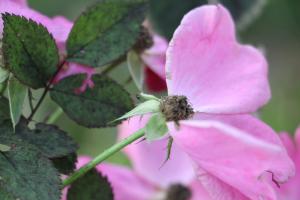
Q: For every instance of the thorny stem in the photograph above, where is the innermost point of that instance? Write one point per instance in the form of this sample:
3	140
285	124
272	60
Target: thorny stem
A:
103	156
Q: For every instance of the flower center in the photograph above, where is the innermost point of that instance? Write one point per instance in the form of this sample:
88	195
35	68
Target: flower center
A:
176	108
178	192
145	40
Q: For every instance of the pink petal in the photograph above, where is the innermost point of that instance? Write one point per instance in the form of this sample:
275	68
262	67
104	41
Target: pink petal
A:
148	158
207	64
60	28
21	2
18	9
155	57
216	189
72	69
288	144
237	149
126	183
199	192
290	190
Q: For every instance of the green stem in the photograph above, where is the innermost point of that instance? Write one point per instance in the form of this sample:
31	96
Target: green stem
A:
103	156
54	116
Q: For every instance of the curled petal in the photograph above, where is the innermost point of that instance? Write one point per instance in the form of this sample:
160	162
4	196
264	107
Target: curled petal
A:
207	64
148	158
239	150
290	190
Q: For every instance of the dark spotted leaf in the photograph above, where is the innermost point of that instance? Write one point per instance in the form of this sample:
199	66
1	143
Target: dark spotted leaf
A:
105	32
98	188
49	139
25	172
67	164
4	109
29	51
95	107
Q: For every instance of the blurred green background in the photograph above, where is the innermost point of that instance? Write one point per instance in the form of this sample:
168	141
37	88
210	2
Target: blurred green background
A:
277	31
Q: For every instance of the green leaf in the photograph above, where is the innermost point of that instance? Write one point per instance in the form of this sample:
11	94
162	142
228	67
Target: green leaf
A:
136	69
17	93
150	106
49	139
4	148
29	51
105	32
156	128
24	171
95	107
65	165
92	186
3	74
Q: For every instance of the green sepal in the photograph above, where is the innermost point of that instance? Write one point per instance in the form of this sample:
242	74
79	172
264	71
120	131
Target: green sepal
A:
156	128
150	106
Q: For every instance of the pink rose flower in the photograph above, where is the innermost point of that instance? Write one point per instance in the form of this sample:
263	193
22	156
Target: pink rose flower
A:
222	81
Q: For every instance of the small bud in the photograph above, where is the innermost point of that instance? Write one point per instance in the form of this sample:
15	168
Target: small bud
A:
176	108
178	192
145	40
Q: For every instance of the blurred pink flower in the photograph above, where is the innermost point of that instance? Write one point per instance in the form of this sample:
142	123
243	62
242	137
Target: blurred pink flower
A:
59	27
224	80
155	60
290	190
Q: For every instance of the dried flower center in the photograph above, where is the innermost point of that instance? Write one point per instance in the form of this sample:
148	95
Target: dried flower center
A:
176	108
145	40
178	192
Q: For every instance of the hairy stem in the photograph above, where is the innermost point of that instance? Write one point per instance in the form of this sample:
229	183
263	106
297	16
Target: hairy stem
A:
103	156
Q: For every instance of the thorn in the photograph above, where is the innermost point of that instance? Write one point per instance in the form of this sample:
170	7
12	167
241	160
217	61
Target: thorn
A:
169	149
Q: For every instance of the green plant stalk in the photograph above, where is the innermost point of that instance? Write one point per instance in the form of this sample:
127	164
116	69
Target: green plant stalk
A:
54	116
103	156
